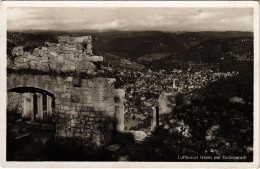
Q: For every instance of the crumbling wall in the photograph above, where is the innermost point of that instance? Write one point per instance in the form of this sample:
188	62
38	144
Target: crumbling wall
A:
84	115
71	54
166	101
84	107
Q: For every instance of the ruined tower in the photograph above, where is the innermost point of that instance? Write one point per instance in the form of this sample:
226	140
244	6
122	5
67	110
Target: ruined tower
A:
63	80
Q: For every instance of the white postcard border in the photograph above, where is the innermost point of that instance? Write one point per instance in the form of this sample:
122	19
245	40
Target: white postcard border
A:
226	4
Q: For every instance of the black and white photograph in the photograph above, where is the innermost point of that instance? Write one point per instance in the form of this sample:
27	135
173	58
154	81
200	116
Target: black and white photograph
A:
131	83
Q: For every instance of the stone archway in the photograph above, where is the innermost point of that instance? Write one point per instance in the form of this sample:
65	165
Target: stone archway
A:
31	103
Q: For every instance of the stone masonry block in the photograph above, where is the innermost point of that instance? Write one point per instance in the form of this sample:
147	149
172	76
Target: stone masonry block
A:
18	51
93	59
69	79
66	96
87	131
76	98
90	122
80	125
75	130
79	135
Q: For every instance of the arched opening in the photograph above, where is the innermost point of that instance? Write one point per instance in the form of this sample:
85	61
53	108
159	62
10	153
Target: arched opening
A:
30	103
30	121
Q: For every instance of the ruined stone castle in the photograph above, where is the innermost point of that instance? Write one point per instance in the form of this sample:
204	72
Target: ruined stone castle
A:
62	83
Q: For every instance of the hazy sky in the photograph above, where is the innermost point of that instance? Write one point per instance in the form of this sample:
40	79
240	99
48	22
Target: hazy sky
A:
162	19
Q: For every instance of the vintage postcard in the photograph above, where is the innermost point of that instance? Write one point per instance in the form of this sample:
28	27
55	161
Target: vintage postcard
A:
130	84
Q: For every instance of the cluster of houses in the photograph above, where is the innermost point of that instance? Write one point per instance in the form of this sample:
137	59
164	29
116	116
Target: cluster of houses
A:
143	89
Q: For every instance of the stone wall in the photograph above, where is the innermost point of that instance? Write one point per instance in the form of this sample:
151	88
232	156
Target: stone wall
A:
85	108
85	114
166	101
71	54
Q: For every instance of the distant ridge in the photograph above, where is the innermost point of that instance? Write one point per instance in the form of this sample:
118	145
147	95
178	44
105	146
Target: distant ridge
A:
164	48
